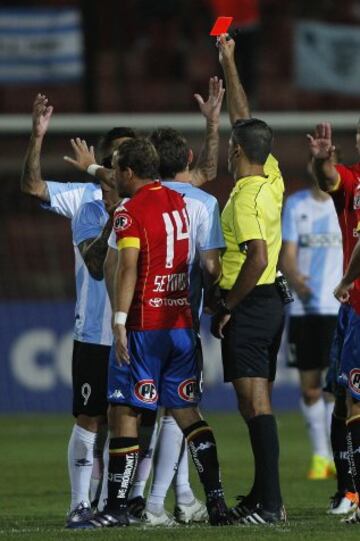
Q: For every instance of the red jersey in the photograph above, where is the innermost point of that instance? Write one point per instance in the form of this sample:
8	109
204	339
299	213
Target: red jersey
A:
155	221
347	204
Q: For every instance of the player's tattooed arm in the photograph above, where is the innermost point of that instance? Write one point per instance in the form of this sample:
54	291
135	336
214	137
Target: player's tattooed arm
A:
237	102
31	181
84	156
94	251
322	151
207	162
289	265
211	270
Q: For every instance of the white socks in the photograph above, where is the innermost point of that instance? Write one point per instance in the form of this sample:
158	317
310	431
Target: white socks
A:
166	464
181	484
144	466
317	424
80	464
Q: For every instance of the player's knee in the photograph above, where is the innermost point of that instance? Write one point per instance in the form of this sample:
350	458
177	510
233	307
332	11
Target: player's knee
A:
185	417
311	395
254	407
92	424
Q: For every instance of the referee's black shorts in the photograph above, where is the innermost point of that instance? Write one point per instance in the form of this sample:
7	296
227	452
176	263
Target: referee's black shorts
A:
253	335
89	378
310	339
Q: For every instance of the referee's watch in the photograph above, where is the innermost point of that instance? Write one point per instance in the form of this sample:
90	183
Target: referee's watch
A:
222	307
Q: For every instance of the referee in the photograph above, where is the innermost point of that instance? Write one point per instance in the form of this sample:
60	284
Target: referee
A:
249	317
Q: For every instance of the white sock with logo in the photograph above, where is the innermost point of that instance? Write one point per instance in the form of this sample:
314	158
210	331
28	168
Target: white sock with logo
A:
143	469
316	422
166	462
80	464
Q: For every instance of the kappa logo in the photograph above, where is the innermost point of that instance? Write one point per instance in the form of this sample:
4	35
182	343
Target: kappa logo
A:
122	222
188	390
145	391
116	394
354	380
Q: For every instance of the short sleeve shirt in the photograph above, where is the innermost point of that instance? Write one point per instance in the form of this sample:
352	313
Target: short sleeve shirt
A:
253	212
156	223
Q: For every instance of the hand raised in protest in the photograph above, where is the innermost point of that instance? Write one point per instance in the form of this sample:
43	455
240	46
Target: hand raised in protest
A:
320	143
84	155
41	115
212	107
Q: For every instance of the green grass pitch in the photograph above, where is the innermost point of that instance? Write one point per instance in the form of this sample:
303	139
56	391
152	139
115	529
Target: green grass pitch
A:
34	485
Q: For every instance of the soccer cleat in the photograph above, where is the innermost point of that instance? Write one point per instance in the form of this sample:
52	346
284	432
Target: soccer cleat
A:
219	514
193	512
163	518
107	519
319	468
331	470
243	508
342	504
79	516
262	516
354	518
136	506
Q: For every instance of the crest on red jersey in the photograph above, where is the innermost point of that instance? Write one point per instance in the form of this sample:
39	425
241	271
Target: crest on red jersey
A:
122	222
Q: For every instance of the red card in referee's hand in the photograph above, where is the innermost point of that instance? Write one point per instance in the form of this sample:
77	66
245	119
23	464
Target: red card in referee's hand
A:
221	26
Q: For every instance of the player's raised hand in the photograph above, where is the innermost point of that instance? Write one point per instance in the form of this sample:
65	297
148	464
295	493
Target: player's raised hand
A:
320	144
342	291
84	155
212	107
41	115
122	354
226	48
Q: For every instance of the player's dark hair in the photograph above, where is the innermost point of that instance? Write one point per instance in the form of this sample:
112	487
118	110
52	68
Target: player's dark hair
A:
105	143
173	151
140	155
255	138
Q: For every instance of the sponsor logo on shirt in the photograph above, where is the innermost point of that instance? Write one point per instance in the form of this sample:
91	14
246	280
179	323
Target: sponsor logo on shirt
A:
145	391
320	240
171	282
157	302
122	222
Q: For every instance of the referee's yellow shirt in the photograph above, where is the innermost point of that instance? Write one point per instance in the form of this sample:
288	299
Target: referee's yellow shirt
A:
252	212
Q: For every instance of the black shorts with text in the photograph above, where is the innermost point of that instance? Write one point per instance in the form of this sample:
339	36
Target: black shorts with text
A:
89	377
253	335
310	339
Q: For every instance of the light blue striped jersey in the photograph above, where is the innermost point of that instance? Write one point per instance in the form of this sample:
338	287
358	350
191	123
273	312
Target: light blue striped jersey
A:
67	197
313	226
93	310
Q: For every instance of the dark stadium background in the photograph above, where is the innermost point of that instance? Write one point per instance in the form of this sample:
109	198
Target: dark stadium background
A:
140	57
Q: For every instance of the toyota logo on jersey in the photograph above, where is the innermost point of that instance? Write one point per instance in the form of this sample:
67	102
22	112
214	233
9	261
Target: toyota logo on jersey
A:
188	390
122	222
145	391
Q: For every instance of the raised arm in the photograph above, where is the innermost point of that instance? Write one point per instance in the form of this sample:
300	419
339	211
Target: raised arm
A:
31	181
84	157
207	162
124	288
322	149
237	103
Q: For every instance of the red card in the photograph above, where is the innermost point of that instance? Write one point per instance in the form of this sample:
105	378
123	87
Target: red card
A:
221	26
